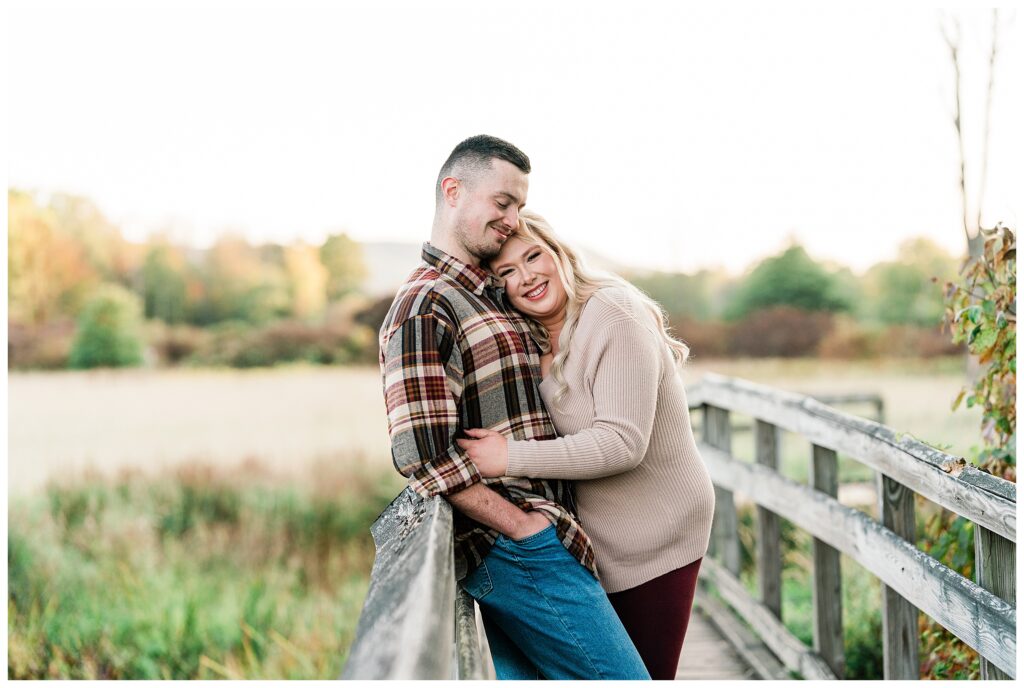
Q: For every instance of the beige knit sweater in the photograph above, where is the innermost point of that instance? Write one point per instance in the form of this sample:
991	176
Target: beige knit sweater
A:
644	495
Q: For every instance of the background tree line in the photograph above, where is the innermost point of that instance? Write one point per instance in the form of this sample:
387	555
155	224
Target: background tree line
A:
80	295
791	305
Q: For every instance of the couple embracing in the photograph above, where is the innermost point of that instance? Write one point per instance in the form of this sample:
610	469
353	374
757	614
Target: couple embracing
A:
543	401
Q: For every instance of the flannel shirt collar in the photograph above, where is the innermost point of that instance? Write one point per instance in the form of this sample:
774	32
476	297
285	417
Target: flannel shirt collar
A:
473	278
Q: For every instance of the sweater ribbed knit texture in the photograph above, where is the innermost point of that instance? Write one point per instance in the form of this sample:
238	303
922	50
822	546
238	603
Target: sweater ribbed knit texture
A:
643	494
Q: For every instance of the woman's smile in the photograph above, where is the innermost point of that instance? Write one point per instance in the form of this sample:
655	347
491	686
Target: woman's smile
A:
537	293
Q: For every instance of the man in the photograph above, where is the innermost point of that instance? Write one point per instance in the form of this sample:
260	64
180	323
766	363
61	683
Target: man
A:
453	357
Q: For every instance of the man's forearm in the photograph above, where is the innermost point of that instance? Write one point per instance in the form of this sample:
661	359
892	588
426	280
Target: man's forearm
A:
484	505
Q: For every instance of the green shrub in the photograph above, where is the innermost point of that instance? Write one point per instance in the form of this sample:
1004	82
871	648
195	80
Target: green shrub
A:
109	330
793	279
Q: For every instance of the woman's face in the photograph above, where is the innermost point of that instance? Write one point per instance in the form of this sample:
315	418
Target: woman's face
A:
531	279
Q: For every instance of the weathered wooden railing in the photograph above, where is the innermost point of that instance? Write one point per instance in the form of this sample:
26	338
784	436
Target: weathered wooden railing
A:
416	623
981	614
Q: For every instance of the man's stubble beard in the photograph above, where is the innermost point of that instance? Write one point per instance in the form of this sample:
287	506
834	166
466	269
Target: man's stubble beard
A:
483	253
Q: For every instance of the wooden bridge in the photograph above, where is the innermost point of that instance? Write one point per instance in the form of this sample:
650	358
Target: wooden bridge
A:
417	623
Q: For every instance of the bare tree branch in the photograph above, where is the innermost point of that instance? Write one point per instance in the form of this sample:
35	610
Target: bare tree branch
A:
953	41
988	112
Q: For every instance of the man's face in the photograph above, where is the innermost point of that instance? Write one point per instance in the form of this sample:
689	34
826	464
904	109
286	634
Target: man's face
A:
487	211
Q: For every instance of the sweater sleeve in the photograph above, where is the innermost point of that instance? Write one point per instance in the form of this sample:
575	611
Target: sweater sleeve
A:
626	364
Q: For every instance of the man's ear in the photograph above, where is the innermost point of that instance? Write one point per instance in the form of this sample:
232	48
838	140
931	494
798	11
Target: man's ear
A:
450	189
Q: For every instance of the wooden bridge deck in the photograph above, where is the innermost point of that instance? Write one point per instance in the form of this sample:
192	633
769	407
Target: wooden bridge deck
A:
707	654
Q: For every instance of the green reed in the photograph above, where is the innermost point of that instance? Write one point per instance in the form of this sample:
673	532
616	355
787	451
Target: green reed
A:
200	573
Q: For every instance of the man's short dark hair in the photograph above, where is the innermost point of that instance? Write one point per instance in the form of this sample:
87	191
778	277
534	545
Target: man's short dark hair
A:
475	154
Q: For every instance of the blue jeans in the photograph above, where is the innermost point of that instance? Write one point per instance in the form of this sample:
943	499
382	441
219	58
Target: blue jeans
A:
546	616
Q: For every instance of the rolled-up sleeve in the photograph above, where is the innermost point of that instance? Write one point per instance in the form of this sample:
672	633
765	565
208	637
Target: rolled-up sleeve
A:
422	376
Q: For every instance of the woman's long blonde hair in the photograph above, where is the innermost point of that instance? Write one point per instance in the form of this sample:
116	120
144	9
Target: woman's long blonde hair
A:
580	283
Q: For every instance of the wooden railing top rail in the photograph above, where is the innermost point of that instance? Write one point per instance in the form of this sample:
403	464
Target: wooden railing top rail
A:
407	629
940	477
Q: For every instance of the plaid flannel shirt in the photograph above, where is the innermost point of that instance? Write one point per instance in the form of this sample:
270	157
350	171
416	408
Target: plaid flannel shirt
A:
452	356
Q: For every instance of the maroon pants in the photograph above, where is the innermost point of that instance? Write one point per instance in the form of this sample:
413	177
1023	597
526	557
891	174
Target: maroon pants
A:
656	615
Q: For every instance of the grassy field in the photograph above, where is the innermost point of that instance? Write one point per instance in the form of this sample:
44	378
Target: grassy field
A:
63	423
214	524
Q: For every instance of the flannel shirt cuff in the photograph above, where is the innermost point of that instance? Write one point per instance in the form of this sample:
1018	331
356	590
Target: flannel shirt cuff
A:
450	473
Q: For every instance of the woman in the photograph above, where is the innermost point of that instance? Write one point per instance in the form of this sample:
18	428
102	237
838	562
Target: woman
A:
611	385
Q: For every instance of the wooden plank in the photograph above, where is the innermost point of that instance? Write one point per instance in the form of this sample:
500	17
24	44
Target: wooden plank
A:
826	574
750	649
469	660
899	617
406	628
706	654
769	530
695	399
791	652
976	616
725	538
995	561
940	477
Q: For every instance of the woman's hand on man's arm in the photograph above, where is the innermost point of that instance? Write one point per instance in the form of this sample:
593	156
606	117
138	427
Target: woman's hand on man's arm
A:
488	450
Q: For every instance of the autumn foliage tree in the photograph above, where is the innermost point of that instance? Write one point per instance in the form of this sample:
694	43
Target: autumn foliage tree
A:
343	259
163	282
903	292
307	280
49	274
241	284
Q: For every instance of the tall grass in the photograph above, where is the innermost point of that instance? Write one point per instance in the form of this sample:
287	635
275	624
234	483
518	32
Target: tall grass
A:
199	573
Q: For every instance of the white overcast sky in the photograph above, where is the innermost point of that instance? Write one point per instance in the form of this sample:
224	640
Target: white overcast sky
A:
663	135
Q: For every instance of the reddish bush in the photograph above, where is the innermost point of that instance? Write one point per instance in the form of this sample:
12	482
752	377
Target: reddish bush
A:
911	341
849	339
175	344
46	346
706	338
782	331
285	341
373	315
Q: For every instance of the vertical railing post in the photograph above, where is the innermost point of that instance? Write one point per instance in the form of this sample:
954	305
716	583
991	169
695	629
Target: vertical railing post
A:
725	541
880	410
827	585
899	617
769	532
995	565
